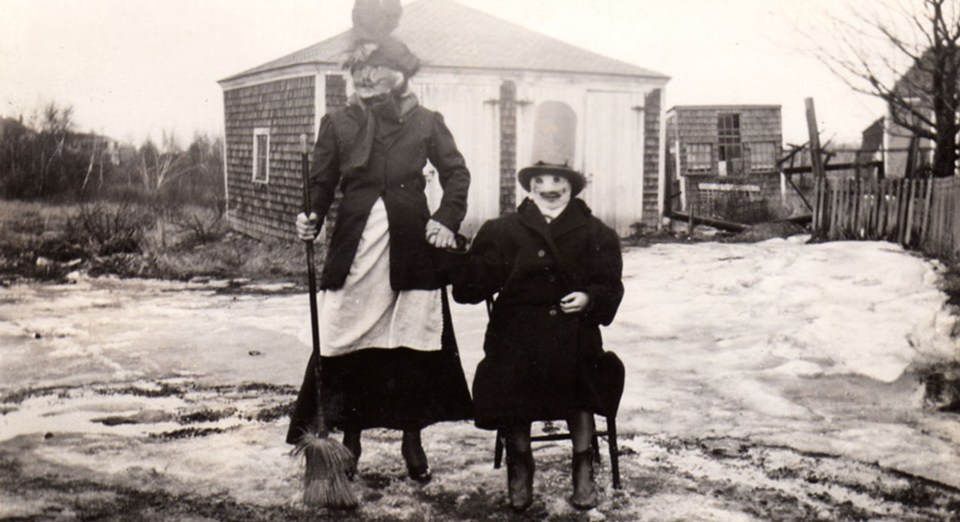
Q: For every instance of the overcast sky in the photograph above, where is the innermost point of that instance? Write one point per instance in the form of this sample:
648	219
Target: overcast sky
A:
132	68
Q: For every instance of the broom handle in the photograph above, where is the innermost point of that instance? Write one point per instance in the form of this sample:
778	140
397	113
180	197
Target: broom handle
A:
312	283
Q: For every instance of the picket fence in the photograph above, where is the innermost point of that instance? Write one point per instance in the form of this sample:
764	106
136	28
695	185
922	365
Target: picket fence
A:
921	214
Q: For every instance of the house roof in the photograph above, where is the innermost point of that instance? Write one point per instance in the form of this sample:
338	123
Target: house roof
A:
737	107
447	34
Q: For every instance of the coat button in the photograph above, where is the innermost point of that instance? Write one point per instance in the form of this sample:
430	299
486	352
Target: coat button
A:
553	311
541	253
551	278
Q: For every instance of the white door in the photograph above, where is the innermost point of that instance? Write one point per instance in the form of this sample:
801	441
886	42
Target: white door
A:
613	157
473	117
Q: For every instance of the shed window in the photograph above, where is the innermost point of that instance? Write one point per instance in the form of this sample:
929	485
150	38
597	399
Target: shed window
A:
728	134
763	156
699	157
261	155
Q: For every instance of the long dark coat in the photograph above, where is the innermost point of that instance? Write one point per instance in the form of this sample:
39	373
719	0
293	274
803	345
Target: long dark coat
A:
537	358
380	153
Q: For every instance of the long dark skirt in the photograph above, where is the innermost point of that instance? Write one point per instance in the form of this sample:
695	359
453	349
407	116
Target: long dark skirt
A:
396	388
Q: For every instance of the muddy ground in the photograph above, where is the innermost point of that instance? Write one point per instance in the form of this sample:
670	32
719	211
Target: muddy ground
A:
663	478
138	415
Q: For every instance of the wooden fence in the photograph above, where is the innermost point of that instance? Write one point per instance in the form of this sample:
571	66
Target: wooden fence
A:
923	214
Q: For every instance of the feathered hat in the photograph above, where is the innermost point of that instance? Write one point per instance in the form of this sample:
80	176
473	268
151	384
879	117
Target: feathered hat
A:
373	21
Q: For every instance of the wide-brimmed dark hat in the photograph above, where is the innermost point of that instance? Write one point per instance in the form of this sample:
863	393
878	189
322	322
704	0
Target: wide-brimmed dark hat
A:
394	54
577	180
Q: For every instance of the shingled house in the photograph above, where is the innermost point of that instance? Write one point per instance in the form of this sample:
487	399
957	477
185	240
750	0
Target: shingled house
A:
495	83
724	158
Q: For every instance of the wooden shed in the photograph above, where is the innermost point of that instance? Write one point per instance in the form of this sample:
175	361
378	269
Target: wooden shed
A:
723	158
494	81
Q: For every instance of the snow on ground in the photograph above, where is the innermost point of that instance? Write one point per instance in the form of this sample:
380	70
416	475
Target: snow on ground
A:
805	347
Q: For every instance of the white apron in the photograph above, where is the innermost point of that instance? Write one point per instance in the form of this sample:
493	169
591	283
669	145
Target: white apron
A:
366	312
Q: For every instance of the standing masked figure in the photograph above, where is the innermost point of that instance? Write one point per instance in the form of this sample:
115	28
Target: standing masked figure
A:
390	357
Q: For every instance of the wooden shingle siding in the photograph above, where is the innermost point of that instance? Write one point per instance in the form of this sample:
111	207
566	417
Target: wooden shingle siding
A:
747	194
508	146
651	157
286	108
758	124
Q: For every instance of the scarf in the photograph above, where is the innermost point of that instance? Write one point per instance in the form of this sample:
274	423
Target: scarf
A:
389	107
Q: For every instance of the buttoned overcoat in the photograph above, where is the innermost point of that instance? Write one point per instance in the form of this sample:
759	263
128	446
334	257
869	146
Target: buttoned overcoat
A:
371	153
537	359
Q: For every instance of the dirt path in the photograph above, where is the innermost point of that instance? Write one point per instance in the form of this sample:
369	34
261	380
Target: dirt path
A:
162	474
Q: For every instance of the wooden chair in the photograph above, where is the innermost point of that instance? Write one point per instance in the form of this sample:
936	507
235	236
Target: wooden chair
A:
610	433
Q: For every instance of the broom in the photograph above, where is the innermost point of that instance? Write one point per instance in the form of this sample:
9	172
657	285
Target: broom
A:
329	463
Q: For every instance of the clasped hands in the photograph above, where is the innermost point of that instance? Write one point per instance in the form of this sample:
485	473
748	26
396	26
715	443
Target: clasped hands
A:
436	233
440	236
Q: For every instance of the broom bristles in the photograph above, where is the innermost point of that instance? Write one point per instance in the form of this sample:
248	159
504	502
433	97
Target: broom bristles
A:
325	480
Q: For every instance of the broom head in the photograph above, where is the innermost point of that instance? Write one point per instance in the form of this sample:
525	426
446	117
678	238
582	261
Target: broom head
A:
326	480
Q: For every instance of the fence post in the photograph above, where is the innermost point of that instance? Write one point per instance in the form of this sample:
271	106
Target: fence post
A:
954	228
817	208
816	162
834	204
908	233
925	211
881	205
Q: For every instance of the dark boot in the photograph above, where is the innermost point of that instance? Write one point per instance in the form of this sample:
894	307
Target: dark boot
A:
520	470
412	450
351	441
585	494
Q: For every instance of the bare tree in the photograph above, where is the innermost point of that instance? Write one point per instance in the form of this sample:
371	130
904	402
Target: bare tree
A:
906	53
55	125
159	168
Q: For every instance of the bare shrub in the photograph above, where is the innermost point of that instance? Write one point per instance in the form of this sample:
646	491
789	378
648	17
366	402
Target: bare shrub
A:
110	229
201	225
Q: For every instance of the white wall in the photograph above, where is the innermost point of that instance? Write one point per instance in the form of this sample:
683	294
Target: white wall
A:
609	140
469	108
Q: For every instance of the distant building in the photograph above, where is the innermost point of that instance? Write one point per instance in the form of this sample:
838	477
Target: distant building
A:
495	83
903	153
102	148
723	158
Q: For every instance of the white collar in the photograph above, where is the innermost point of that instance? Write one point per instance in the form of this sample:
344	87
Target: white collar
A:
550	215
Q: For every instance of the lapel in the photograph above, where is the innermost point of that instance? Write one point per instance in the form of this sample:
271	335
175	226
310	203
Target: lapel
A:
576	215
572	218
358	153
531	218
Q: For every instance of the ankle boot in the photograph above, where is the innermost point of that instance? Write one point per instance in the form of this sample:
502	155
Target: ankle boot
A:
416	459
520	468
585	494
351	441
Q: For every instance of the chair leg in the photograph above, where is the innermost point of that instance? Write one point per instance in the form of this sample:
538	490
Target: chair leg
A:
596	446
614	451
498	451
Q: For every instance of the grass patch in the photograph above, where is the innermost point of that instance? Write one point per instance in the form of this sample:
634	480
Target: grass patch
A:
41	241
